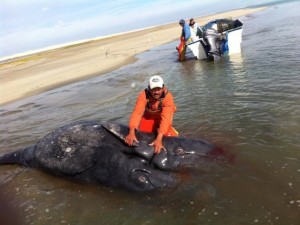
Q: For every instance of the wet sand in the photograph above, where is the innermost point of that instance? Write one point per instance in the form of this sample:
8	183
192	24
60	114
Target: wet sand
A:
35	73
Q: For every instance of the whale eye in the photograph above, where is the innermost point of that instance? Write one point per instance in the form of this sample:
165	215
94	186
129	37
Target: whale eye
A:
179	151
142	179
140	175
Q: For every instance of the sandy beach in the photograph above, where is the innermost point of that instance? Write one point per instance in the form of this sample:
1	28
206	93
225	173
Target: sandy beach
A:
35	73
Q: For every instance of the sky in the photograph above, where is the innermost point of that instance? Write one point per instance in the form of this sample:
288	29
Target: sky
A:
27	25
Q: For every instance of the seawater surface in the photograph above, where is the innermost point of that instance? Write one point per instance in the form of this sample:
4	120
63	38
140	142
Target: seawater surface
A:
248	103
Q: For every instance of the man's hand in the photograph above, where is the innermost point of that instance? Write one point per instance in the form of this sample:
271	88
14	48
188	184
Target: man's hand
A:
130	138
157	143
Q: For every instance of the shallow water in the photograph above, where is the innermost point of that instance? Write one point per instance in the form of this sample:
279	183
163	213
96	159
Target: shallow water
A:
248	103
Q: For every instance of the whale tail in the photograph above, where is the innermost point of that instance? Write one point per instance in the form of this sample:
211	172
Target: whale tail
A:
21	156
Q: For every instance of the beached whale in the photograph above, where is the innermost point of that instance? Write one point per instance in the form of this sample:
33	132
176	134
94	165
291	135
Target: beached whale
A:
94	152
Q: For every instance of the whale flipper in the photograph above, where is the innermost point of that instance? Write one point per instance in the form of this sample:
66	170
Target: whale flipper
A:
142	148
118	130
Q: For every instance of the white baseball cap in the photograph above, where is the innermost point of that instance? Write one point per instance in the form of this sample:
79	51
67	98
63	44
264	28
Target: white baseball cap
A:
156	81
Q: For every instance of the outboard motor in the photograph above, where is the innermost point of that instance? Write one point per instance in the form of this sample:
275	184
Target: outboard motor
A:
212	39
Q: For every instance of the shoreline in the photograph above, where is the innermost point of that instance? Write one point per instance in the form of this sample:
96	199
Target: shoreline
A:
44	70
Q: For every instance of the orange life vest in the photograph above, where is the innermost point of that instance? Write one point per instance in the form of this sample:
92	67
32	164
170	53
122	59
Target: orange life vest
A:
150	106
151	118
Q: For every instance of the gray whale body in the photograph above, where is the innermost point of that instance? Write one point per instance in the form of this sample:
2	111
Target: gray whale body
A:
95	152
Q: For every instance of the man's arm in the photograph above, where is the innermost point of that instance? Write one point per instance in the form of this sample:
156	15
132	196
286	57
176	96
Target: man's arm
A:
157	143
130	138
136	118
138	111
168	108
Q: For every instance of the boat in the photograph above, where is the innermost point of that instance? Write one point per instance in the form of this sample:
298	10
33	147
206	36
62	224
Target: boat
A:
218	37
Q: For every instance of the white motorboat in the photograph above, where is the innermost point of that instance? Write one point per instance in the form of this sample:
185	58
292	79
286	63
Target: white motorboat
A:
219	37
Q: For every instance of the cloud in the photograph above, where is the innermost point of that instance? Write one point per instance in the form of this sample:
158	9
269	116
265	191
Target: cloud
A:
44	9
47	22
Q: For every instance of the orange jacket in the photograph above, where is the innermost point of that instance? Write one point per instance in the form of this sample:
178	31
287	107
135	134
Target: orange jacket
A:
165	115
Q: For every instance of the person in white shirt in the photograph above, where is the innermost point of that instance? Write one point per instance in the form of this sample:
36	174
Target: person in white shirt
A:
196	30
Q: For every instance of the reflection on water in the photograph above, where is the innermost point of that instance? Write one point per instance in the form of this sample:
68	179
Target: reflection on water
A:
249	104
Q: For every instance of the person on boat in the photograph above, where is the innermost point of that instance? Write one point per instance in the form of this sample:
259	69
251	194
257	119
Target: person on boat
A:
185	38
153	112
196	30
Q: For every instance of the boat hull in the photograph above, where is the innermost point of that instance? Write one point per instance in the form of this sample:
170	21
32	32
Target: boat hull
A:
220	37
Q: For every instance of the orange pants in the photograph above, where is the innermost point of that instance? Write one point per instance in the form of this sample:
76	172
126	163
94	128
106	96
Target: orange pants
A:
181	50
151	125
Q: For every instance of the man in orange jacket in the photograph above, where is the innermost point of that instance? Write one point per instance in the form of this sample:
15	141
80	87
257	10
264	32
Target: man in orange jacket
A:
153	112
